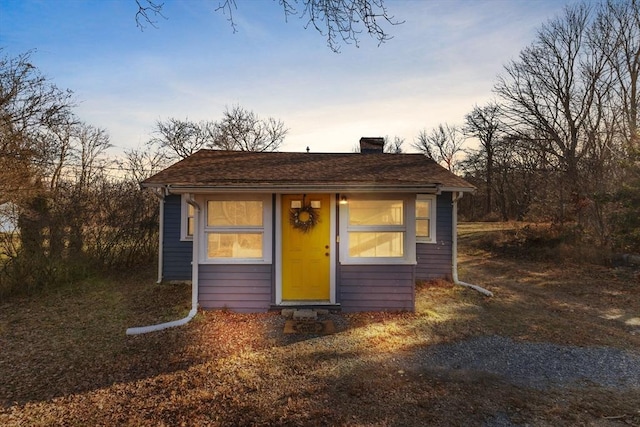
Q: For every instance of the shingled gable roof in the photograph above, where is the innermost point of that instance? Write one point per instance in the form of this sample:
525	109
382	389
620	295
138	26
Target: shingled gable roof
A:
208	169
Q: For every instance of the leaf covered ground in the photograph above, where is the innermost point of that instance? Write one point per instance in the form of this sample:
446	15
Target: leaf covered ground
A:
65	360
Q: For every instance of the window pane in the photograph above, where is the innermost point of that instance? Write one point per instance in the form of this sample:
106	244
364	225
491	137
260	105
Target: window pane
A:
190	226
225	213
423	208
422	227
372	244
189	219
237	245
376	212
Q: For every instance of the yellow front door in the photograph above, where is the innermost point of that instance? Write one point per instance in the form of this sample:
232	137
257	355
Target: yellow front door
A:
306	221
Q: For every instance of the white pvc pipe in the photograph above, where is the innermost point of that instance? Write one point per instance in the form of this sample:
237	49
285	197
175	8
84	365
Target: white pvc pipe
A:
159	327
454	251
194	284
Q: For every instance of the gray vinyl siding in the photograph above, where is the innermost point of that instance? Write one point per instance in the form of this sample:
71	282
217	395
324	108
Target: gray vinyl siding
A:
176	254
250	288
376	287
434	259
238	287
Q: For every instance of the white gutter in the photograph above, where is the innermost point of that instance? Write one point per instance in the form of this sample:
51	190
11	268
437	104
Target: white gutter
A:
194	284
320	188
442	188
454	250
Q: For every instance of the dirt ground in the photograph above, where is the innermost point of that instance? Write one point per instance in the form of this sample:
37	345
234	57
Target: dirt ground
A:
65	360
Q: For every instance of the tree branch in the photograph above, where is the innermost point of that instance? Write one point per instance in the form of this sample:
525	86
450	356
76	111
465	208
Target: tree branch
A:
147	12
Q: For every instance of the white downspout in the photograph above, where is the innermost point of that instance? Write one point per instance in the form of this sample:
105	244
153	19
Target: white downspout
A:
160	236
194	282
454	250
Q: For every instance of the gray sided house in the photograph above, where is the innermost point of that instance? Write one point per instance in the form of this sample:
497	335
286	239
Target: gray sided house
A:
259	230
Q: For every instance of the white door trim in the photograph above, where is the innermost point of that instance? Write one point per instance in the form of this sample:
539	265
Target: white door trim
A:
332	251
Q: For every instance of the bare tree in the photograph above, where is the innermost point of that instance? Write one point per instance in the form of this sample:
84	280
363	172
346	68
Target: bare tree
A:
616	33
550	93
29	105
483	123
67	215
239	129
243	130
88	154
70	199
443	145
54	144
393	146
340	21
569	148
181	138
140	163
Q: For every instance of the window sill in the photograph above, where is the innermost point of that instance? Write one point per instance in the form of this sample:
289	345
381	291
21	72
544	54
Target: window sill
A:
236	261
378	261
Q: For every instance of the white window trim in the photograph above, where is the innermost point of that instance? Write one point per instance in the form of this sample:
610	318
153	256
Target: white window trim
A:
184	212
409	230
432	219
267	229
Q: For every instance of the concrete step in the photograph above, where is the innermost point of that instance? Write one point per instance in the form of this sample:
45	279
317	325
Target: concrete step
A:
302	313
305	314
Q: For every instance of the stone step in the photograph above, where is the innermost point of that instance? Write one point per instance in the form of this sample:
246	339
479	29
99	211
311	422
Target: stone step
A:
305	314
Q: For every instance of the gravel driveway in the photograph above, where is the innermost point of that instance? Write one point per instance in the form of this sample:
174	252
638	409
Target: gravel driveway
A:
534	365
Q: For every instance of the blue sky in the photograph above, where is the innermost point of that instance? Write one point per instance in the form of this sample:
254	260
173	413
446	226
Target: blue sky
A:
440	63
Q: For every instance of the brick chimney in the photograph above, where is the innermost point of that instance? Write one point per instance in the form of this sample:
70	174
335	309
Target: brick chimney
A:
369	145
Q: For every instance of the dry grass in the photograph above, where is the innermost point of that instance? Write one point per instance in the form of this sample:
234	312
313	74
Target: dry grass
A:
64	358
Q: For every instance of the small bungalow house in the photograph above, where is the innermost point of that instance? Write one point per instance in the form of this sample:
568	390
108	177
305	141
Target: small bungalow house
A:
260	230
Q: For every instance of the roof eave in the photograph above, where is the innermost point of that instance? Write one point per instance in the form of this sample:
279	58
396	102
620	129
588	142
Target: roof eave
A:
459	189
296	188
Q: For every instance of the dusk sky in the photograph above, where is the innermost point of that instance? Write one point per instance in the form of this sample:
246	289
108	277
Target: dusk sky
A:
442	61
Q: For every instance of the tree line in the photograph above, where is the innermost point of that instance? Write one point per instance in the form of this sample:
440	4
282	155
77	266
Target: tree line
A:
68	208
560	141
63	212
